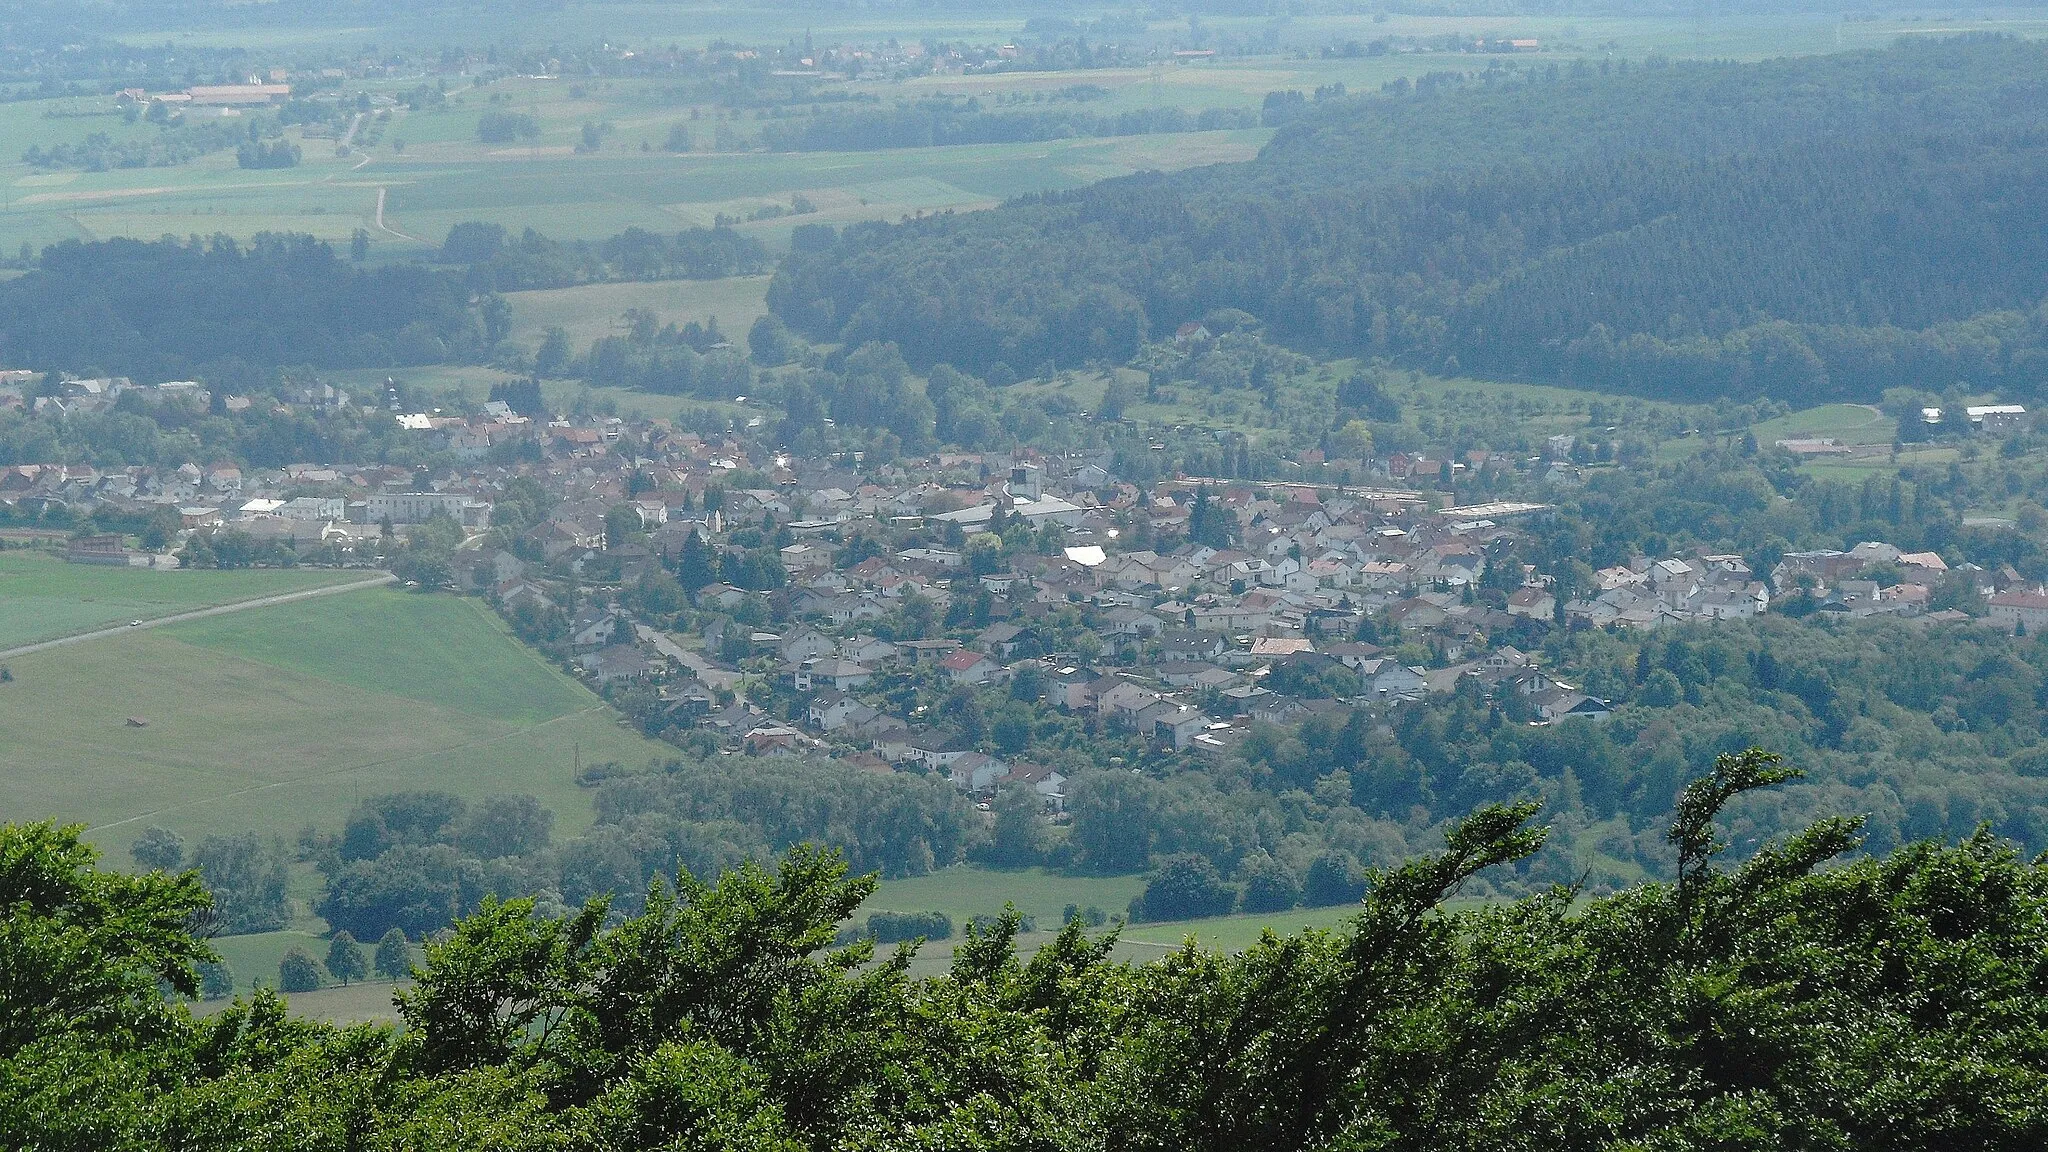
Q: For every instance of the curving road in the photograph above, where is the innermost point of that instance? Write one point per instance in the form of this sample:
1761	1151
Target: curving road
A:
199	614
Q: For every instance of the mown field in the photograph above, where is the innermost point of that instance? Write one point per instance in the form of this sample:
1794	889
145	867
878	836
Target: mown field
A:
42	597
275	718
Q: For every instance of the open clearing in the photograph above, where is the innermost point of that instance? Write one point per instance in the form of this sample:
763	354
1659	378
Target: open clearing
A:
1845	423
279	717
589	311
42	597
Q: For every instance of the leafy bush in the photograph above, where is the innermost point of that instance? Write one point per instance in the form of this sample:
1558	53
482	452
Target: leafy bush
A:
500	127
297	972
894	927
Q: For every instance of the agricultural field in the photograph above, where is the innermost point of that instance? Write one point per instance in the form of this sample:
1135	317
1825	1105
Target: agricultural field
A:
1843	423
589	311
966	891
42	597
278	717
254	959
428	171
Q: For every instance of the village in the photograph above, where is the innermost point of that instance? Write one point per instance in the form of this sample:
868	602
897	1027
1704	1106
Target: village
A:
736	599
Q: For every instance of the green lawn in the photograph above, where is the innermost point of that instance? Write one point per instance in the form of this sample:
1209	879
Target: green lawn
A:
42	597
280	717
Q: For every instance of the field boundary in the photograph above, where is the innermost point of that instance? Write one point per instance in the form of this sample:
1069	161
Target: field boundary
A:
381	579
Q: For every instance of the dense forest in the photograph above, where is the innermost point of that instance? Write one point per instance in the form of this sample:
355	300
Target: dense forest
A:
213	310
1778	1003
178	310
1805	228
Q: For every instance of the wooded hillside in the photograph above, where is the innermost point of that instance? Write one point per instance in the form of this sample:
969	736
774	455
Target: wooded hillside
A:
1801	228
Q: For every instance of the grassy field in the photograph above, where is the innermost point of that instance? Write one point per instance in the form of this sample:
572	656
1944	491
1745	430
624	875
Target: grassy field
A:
966	891
255	959
366	1002
1844	423
593	310
275	718
42	597
448	178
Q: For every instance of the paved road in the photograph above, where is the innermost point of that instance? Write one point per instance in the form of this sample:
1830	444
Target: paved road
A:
198	614
715	677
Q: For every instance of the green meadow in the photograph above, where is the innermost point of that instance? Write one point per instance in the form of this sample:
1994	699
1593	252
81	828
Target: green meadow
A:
275	718
42	597
589	311
967	891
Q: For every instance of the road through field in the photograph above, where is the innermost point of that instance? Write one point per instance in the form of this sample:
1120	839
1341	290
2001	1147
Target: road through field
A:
383	227
197	614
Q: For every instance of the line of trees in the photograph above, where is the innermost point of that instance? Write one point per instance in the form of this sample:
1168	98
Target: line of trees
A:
496	262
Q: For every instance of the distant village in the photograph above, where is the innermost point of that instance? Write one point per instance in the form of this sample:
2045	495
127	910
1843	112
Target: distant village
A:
743	601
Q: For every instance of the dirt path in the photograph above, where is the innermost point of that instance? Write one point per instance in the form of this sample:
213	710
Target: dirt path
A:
383	227
197	614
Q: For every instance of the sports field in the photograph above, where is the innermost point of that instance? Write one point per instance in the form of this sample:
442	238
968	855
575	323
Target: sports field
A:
275	718
42	597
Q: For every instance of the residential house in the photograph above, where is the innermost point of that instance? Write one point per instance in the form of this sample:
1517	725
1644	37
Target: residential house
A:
806	643
618	662
1564	704
1073	687
2020	611
867	650
593	628
1532	603
970	667
830	672
976	772
1049	783
833	710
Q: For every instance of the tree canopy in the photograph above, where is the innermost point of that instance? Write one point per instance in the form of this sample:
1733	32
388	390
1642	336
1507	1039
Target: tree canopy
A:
1802	228
1795	1000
